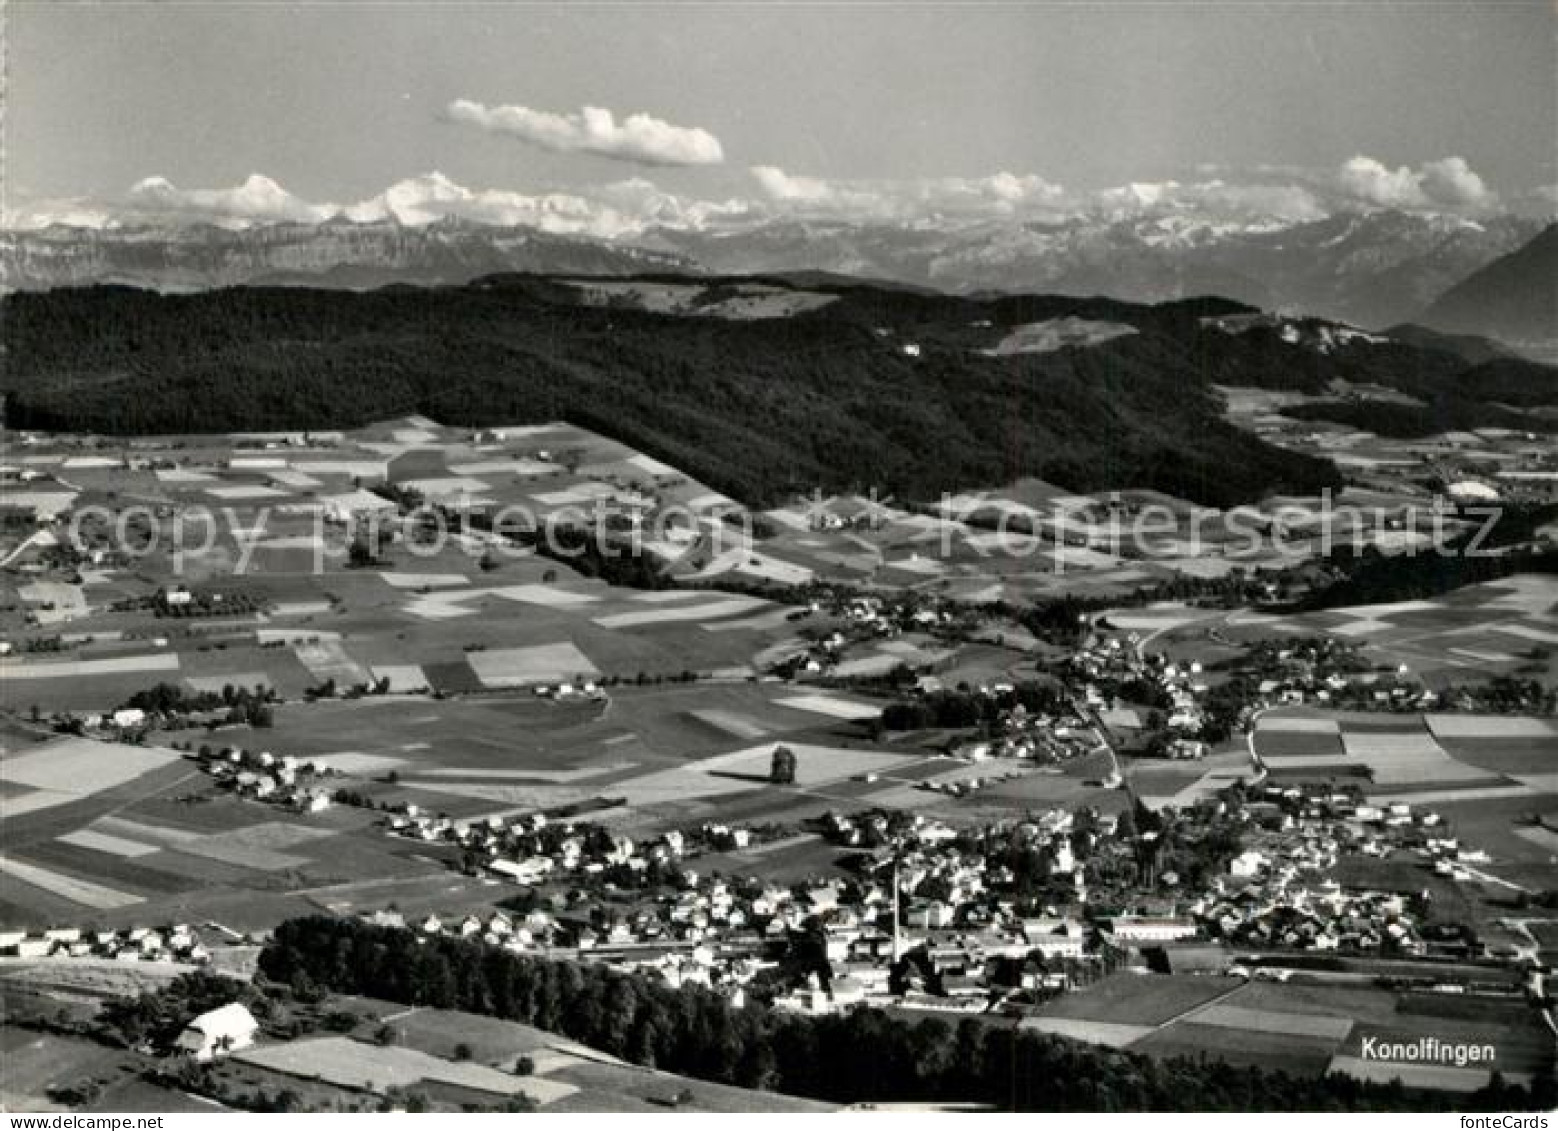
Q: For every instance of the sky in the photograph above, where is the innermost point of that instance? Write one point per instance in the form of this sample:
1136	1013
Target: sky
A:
705	111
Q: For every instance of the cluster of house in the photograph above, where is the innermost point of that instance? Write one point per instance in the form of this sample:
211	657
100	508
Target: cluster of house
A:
934	919
1279	892
533	849
937	903
1319	916
586	690
531	931
866	617
263	776
1321	671
1103	661
964	786
1033	736
177	943
722	937
1378	690
1325	671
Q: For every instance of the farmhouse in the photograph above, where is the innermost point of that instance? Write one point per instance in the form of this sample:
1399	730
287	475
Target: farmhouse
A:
218	1032
128	717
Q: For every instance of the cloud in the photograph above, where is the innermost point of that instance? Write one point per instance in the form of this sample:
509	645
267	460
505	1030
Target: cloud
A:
610	211
638	138
1546	195
1448	183
258	200
779	185
1006	197
632	207
422	200
1213	202
999	195
652	205
1451	181
70	213
1013	189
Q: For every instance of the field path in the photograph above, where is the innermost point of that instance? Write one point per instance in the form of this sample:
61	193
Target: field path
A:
1190	1014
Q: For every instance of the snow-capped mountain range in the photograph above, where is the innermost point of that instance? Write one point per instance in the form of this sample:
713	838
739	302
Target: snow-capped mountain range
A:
1368	266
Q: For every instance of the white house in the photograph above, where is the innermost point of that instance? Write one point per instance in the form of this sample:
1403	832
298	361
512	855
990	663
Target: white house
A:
1247	865
219	1032
1132	928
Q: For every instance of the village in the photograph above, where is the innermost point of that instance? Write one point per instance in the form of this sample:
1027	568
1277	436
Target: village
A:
807	793
923	915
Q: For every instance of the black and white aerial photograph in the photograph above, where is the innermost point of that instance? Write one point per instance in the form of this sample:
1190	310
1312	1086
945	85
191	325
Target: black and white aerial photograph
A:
687	556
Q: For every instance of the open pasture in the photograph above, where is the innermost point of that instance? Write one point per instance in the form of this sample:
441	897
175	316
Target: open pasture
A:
494	1042
82	684
1443	1078
740	769
1334	1001
67	769
512	748
1314	1027
373	1068
1496	824
1140	999
1497	728
371	736
833	706
169	845
1298	744
536	663
1182	785
1111	1034
86	893
703	610
1298	1053
1413	757
1077	783
35	1062
1274	1022
1515	757
143	877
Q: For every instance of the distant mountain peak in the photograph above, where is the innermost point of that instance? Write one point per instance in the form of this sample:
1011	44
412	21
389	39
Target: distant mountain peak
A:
1369	268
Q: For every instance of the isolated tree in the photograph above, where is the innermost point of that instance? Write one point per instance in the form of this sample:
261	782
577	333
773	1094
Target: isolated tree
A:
781	770
360	553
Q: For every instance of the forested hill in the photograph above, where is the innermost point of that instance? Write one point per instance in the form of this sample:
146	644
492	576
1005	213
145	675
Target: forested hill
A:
865	387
